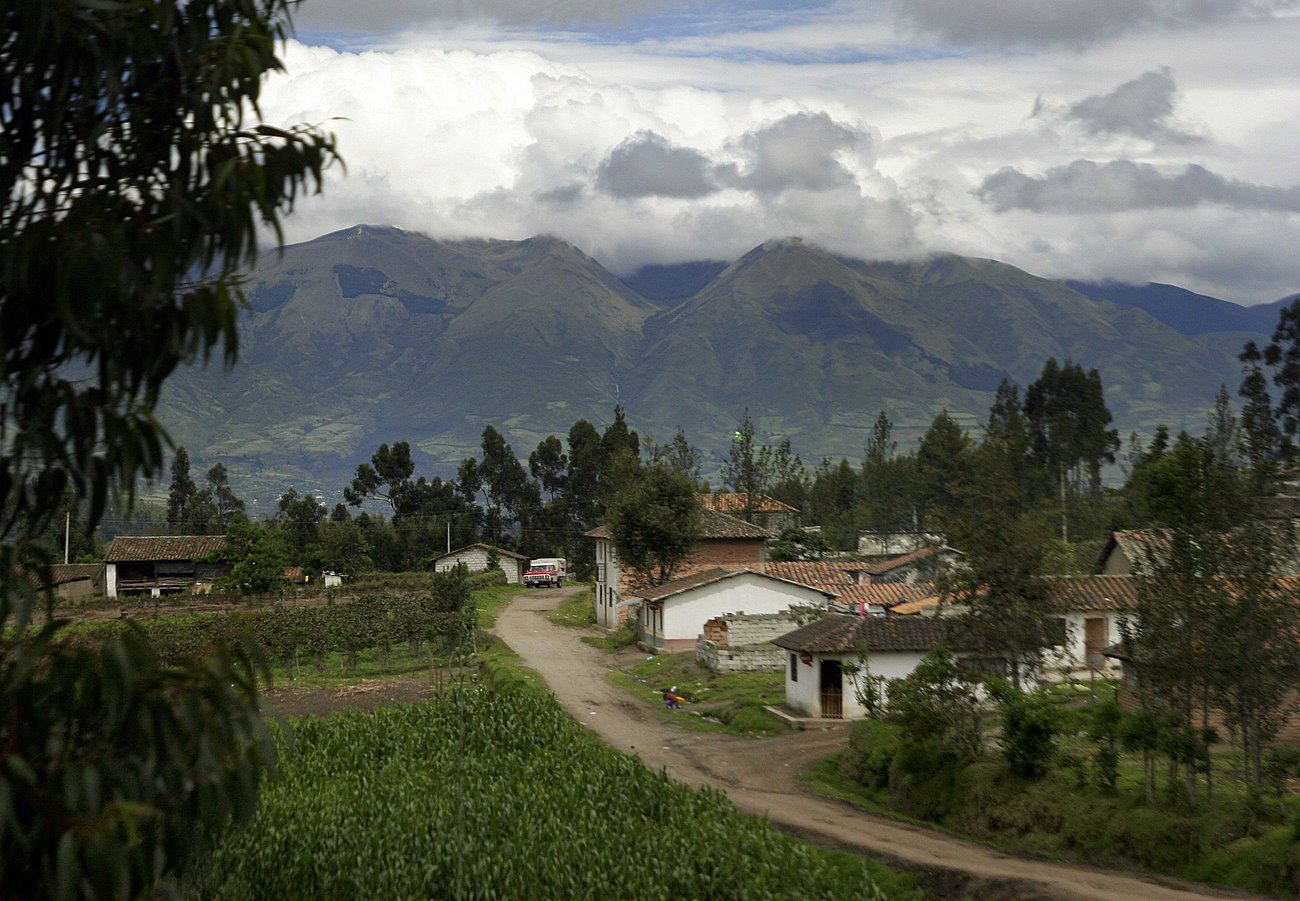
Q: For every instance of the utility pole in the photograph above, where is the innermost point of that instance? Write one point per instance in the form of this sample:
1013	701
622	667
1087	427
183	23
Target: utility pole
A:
449	534
67	534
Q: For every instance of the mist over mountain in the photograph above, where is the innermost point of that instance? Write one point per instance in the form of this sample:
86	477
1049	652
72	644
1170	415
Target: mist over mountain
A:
375	334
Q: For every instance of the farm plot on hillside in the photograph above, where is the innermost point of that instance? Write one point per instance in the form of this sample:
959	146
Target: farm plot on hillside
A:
495	793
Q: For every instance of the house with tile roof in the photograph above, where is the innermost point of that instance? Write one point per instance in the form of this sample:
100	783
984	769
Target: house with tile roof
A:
1092	609
759	509
726	542
821	658
829	660
852	583
69	580
163	564
672	616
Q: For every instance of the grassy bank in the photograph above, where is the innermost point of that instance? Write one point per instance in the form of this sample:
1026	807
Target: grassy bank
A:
1241	838
729	702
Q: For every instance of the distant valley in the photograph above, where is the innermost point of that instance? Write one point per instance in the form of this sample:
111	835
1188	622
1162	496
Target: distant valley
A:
376	334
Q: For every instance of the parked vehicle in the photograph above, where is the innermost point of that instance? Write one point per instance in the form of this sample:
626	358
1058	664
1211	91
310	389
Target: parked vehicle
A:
545	572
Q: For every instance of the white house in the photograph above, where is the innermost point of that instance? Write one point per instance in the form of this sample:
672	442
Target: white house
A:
1092	607
672	615
475	559
816	681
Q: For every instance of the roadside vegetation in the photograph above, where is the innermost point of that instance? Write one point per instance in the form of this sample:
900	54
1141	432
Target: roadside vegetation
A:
1065	775
575	611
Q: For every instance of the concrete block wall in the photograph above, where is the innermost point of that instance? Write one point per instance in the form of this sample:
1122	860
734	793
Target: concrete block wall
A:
757	658
739	643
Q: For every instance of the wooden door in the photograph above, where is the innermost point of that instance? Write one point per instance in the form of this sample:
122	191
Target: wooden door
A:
832	690
1094	641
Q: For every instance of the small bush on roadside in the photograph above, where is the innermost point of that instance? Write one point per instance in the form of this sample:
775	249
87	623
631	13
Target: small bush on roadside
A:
873	745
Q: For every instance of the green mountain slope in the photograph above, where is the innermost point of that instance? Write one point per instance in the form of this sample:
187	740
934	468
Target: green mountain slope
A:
376	334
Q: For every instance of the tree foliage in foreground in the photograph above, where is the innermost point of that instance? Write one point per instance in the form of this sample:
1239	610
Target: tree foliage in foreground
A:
131	158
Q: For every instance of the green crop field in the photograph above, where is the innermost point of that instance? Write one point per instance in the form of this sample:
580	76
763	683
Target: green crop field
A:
492	792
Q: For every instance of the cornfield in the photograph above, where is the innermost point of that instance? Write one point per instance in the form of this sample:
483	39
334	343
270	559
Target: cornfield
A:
493	792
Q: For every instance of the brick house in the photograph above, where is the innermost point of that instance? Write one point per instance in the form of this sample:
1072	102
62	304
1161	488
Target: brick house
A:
764	511
726	543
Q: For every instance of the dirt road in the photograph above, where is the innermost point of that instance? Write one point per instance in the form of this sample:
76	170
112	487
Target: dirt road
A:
759	776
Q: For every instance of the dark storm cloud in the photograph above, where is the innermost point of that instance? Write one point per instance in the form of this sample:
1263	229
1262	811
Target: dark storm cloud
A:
1088	187
1140	107
1071	23
798	151
646	165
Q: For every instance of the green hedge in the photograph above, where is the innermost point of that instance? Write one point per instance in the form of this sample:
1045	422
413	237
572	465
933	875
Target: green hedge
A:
291	633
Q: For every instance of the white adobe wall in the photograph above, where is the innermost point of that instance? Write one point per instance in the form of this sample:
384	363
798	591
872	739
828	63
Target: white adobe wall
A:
110	579
1074	661
802	692
605	598
804	695
686	614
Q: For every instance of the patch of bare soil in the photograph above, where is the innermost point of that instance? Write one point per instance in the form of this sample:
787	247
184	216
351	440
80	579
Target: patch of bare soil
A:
319	700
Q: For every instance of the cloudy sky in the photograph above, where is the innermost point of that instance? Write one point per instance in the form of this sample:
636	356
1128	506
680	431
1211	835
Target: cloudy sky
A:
1140	140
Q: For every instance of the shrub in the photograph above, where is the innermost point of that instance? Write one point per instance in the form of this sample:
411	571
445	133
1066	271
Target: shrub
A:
1030	721
873	745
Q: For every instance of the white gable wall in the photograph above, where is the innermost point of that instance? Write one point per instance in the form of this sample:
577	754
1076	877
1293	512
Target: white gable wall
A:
1074	661
684	615
476	560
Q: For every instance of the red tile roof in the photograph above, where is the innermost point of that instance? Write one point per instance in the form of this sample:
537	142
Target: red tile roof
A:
737	502
62	573
816	572
715	526
145	548
886	595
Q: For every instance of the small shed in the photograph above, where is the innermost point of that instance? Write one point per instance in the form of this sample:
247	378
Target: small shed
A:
77	580
817	681
474	557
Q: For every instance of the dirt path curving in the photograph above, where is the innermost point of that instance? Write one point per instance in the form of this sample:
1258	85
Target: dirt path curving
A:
759	776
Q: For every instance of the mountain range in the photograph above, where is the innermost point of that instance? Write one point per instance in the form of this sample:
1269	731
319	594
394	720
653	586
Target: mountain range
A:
375	334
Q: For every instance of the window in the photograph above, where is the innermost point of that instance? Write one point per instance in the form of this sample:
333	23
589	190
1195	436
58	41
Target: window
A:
600	572
794	668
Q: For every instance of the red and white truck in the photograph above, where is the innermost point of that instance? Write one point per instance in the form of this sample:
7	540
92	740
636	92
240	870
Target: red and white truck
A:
545	572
